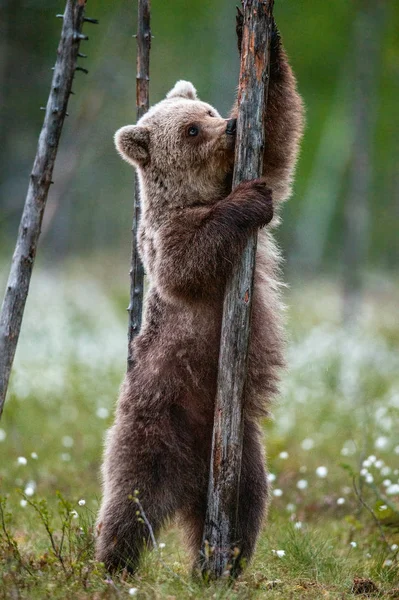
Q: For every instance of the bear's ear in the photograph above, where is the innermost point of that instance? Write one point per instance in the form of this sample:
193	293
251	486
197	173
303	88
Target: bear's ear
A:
132	142
183	89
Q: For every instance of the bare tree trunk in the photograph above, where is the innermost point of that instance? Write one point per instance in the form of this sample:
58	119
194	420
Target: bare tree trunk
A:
40	180
221	518
142	104
367	38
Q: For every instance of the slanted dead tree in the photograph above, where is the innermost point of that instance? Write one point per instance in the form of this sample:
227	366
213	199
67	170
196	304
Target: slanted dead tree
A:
40	179
135	308
220	531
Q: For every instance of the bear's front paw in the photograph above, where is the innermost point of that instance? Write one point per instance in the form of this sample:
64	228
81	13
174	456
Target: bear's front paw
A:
257	198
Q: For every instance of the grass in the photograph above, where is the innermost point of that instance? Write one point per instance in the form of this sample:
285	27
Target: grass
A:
333	447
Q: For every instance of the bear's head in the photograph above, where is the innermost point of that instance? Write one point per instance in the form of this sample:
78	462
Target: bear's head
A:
180	140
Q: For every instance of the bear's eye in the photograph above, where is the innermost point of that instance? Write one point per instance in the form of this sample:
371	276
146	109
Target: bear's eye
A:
192	130
210	113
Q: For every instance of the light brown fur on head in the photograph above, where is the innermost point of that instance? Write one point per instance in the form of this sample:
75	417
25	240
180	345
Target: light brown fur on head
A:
192	230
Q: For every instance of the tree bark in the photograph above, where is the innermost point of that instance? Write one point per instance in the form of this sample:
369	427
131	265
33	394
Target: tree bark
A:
220	531
40	180
135	308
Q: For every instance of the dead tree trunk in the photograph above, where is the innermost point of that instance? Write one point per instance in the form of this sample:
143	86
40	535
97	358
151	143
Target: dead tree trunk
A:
135	309
220	532
40	180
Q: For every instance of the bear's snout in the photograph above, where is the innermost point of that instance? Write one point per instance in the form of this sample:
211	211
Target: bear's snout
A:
231	127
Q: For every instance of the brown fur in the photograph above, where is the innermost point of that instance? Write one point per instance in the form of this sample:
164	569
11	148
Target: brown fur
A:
192	230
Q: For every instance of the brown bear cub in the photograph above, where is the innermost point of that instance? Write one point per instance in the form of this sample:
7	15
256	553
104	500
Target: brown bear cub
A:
193	228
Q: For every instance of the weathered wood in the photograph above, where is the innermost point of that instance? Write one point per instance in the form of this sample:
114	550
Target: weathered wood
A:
220	532
40	180
135	308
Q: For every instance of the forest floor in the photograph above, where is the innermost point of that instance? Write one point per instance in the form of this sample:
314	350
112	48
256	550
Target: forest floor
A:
333	448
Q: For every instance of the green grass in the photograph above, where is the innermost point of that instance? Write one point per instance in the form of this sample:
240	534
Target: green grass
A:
339	406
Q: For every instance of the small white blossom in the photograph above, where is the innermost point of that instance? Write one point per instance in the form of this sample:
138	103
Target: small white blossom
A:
386	471
3	435
67	441
82	502
277	492
340	501
271	477
366	463
322	472
102	412
381	442
74	514
290	507
30	488
279	553
388	563
372	458
393	489
302	484
386	482
133	591
394	547
354	544
23	502
34	455
283	455
307	444
65	456
382	507
22	460
364	472
379	464
298	525
369	478
162	545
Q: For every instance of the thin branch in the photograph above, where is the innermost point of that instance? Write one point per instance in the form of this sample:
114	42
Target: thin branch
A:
40	180
135	309
221	519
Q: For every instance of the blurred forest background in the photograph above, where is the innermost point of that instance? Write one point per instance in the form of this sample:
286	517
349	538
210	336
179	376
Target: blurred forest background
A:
343	217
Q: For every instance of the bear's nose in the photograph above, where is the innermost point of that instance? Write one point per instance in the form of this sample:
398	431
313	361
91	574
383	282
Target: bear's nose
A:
231	127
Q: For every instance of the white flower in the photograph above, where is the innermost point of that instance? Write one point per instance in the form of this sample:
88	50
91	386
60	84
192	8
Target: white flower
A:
283	455
102	412
322	472
298	525
23	502
388	563
279	553
302	484
290	507
34	455
82	502
30	488
340	501
67	441
354	544
366	463
271	477
277	493
381	442
74	514
382	507
394	547
379	464
65	456
133	591
364	472
372	458
307	444
369	478
3	435
386	471
386	482
22	460
162	545
393	489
